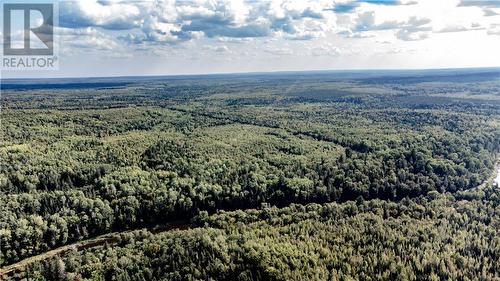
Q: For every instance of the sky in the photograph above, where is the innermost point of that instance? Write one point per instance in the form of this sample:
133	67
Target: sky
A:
168	37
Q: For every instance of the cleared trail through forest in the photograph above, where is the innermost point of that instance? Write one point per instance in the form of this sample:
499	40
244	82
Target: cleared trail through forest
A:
110	239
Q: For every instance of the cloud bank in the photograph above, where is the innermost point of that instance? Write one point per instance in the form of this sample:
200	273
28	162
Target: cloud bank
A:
187	36
170	22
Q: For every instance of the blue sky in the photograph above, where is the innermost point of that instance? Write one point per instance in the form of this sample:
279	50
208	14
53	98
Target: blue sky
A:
163	37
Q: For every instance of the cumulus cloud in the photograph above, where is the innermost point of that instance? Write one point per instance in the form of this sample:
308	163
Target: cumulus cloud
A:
327	49
174	21
215	19
366	22
479	3
169	22
234	40
357	35
105	14
460	28
217	49
349	6
411	35
494	29
280	51
411	29
88	40
489	7
490	12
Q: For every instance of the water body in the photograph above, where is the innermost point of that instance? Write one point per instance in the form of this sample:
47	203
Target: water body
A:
497	179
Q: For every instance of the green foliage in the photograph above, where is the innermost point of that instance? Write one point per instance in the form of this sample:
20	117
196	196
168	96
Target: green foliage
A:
437	237
77	163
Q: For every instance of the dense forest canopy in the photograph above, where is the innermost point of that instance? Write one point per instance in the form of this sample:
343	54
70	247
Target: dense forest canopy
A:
291	176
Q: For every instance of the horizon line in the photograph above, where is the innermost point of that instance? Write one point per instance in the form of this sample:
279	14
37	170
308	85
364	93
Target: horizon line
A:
346	70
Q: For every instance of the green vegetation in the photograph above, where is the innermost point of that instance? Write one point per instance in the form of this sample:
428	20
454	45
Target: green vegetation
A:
437	237
367	177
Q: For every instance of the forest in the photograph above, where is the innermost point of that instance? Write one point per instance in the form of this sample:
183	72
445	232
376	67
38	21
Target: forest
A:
289	176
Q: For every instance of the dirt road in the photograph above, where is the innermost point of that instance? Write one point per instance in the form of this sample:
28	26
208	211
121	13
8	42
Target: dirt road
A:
110	239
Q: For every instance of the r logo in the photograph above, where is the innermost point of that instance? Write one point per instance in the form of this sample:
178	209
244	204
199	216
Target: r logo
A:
44	32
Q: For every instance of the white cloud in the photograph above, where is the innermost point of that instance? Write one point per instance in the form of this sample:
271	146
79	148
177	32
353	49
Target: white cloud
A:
105	14
494	29
411	35
281	34
488	12
87	41
327	49
279	51
172	21
479	3
366	22
217	49
460	28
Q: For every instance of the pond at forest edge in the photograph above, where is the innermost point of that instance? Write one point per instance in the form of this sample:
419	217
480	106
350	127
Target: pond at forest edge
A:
497	179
